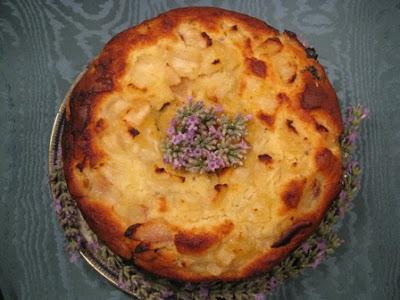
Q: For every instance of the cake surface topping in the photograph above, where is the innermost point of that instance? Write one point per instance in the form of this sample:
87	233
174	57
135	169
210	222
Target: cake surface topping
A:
196	190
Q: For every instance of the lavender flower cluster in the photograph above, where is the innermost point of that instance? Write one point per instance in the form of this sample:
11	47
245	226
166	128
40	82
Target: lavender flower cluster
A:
352	122
202	139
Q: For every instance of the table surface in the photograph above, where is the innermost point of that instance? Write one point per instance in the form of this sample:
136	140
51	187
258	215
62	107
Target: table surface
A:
45	44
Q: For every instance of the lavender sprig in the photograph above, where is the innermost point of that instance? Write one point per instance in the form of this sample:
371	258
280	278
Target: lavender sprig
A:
201	139
67	215
352	122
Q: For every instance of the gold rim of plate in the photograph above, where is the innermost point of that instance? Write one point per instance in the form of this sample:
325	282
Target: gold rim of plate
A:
54	160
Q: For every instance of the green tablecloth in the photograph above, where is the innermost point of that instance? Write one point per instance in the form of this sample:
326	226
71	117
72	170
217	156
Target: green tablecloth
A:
45	44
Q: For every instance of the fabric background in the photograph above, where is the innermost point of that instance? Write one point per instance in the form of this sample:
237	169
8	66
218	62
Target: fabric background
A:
45	44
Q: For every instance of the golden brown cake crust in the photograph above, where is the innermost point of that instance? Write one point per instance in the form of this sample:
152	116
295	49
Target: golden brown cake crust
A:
306	111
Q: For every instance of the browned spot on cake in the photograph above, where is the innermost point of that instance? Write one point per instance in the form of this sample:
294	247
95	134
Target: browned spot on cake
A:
313	96
290	34
80	166
194	242
100	125
179	177
265	158
214	99
181	37
248	49
130	231
164	106
133	131
267	119
187	243
221	172
207	38
216	61
104	82
316	188
141	247
242	86
234	28
287	236
282	97
325	160
218	187
131	85
293	192
258	67
321	128
162	204
159	170
292	78
289	124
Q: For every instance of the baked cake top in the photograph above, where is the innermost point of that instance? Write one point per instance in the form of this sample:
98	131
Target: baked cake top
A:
192	226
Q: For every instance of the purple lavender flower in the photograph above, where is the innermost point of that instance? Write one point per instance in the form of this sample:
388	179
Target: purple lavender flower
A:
306	247
122	284
171	130
57	206
321	245
352	164
321	253
196	152
352	138
192	122
204	292
165	294
74	256
342	195
191	135
177	164
365	113
273	283
244	145
259	296
178	138
318	260
166	159
93	246
199	140
349	111
248	117
212	165
214	162
216	133
189	286
219	108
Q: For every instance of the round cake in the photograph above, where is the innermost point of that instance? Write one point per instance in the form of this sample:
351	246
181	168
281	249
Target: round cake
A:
224	223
